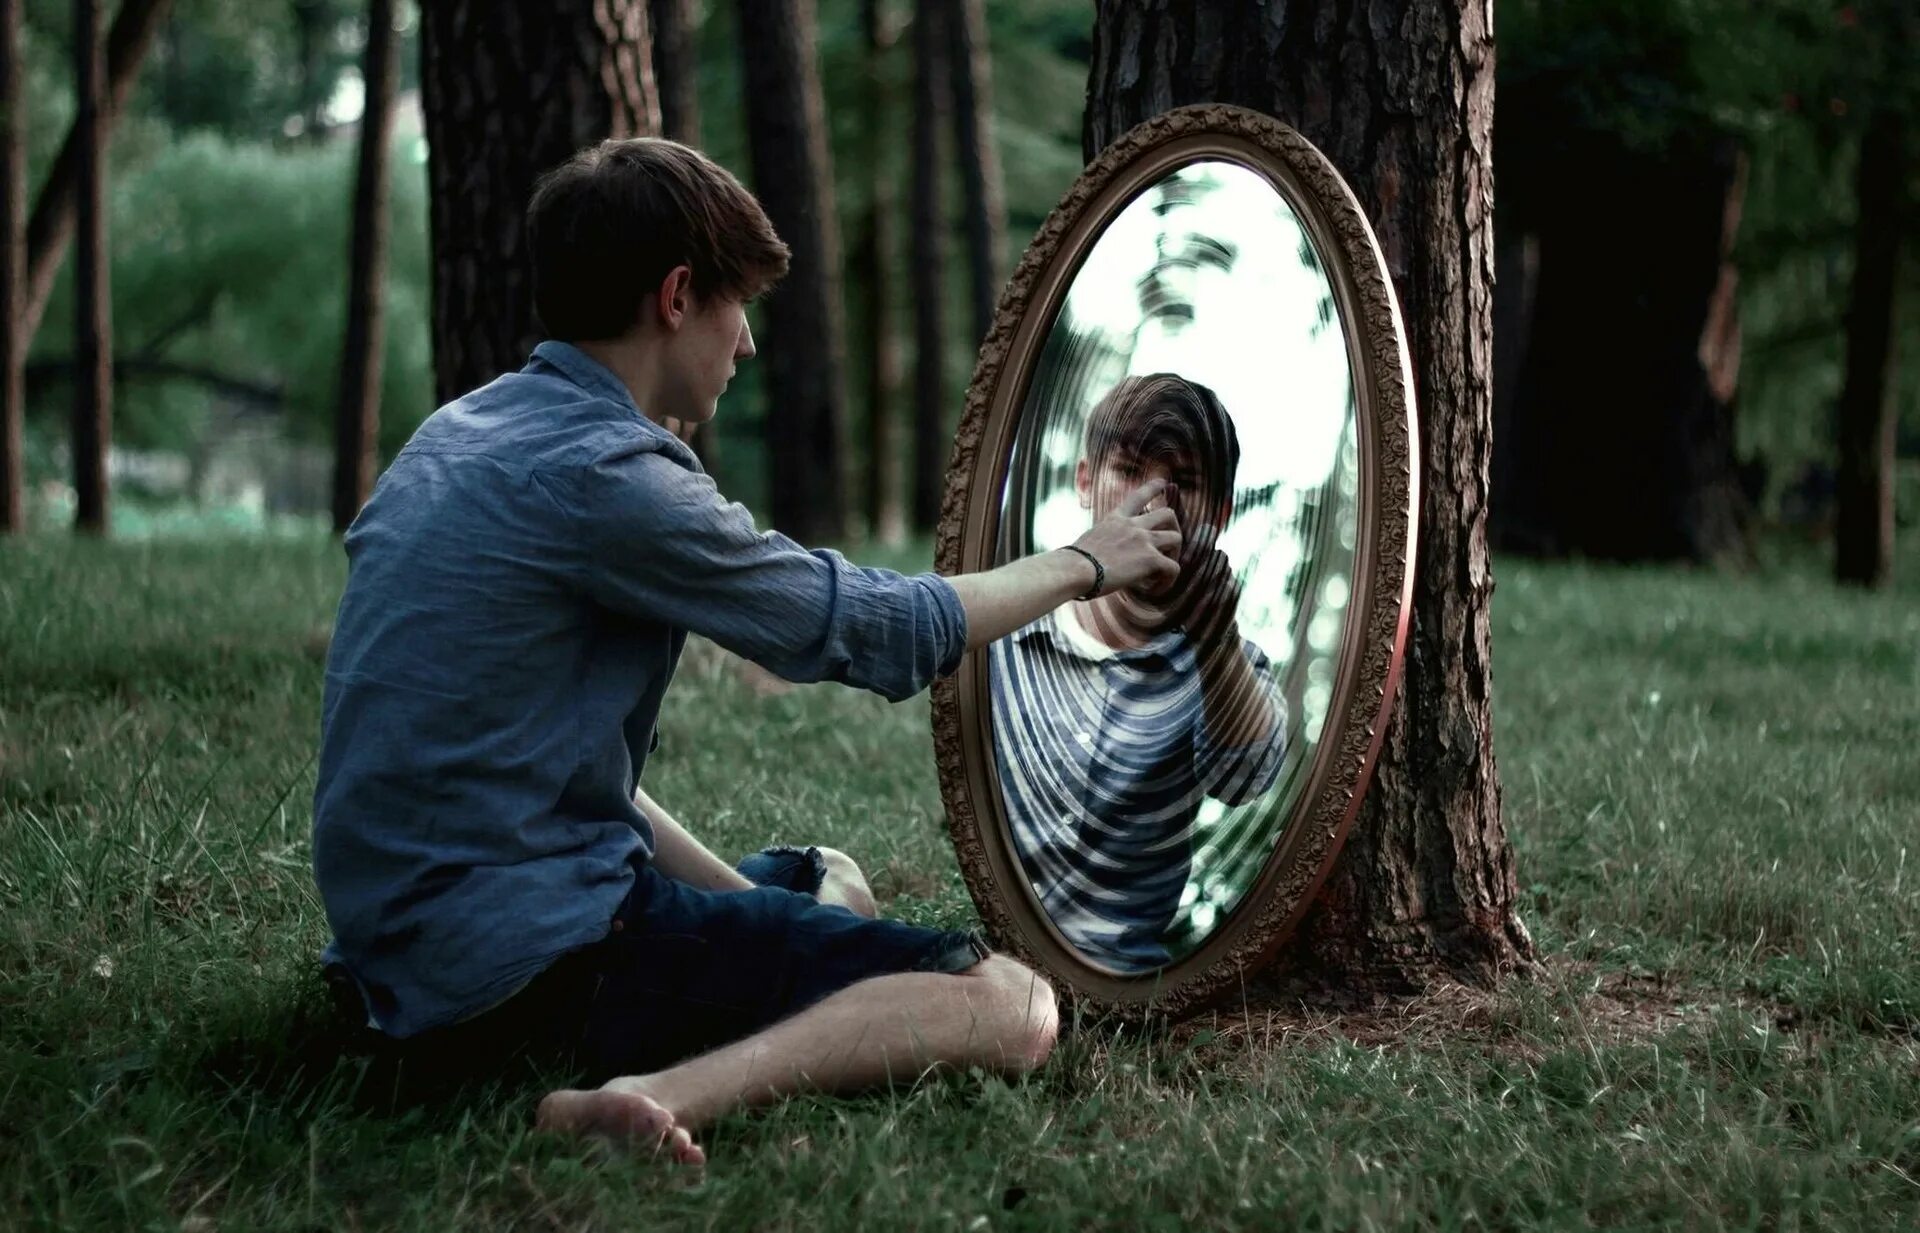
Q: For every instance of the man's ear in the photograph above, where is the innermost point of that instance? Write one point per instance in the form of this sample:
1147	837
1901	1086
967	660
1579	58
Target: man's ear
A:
1083	483
674	298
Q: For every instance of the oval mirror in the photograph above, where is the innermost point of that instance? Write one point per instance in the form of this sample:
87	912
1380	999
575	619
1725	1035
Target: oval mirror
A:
1146	790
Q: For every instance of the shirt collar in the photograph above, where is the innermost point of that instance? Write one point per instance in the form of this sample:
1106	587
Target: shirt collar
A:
1165	646
599	380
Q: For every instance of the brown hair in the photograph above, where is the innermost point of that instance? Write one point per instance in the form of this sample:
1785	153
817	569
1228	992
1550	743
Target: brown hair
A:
607	225
1162	413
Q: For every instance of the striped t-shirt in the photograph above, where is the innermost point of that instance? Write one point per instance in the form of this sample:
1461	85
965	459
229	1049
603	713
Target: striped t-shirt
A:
1104	759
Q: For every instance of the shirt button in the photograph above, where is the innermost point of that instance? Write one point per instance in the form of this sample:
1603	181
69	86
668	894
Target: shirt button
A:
618	924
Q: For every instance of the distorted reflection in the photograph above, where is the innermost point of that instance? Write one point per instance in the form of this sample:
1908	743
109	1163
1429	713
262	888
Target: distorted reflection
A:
1152	748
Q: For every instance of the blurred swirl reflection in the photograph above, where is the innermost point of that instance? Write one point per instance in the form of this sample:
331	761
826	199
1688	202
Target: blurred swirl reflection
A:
1152	748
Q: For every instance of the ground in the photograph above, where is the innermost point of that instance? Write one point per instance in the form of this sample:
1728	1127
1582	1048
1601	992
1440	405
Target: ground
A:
1711	781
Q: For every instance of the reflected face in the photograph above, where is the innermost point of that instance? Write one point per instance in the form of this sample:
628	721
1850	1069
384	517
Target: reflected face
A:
1153	749
1197	499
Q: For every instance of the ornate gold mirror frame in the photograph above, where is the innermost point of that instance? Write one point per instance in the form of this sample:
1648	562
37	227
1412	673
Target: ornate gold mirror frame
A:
1374	639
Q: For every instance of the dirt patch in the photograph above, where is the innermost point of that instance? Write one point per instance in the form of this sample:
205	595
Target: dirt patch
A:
1569	1003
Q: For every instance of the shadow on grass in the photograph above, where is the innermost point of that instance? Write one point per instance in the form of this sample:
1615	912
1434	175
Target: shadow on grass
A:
308	1057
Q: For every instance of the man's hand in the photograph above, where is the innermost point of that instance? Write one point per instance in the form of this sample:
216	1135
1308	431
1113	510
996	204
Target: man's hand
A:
1212	605
1139	543
1134	545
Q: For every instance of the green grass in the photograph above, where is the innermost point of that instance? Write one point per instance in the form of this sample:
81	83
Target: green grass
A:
1713	784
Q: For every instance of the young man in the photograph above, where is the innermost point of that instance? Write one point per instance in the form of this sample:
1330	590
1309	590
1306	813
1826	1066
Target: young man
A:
1114	717
520	587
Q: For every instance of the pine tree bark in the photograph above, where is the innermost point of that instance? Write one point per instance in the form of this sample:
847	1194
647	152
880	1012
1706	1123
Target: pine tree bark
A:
1425	887
357	417
886	516
512	88
13	269
1863	533
676	64
976	154
803	350
93	324
927	259
50	228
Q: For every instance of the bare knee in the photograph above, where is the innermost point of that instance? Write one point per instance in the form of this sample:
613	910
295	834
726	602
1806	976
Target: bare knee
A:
845	885
1027	1011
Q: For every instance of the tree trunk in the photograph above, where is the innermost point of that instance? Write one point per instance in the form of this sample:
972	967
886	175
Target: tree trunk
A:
676	65
1630	456
51	225
675	70
804	353
13	268
308	16
977	155
510	89
886	517
1425	888
357	421
1864	532
93	324
928	255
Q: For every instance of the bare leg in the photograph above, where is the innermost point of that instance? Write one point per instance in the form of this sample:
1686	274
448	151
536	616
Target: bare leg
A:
999	1015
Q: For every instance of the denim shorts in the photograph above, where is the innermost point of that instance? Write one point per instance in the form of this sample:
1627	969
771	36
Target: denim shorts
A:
684	970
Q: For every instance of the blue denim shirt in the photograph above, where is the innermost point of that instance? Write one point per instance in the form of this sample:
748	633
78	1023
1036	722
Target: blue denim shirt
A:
518	592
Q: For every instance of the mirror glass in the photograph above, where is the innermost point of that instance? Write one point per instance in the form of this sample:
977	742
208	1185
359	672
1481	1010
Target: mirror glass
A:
1150	748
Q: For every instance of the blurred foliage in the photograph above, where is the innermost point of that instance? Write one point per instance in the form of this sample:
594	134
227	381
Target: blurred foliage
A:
1795	81
230	255
229	227
229	218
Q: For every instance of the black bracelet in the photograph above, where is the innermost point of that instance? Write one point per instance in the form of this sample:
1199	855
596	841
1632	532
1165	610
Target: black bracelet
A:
1099	573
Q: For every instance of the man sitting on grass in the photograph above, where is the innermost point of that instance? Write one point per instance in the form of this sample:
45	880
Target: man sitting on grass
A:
520	588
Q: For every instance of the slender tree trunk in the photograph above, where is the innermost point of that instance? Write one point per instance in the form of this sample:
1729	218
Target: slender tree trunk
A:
1864	532
977	155
886	517
928	255
512	88
308	16
50	227
676	70
357	421
13	268
93	324
1425	888
1517	496
803	352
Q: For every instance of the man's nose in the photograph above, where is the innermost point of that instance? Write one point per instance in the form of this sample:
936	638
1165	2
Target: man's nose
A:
744	349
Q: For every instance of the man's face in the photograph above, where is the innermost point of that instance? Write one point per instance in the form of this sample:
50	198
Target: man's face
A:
1120	469
702	355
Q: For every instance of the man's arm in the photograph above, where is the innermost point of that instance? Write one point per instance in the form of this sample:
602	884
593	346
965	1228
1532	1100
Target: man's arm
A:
1135	545
654	540
1239	708
683	858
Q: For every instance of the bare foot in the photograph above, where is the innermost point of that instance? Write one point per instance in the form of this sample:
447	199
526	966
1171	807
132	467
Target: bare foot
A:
622	1112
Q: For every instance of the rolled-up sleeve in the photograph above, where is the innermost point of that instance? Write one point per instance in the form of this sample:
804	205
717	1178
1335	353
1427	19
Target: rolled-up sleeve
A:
656	540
